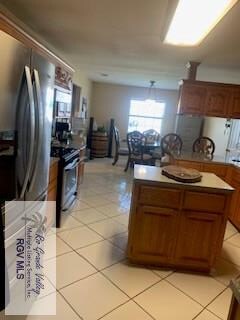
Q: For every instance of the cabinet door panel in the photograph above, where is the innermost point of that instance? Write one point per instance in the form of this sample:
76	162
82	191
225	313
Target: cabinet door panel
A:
198	237
217	102
192	99
234	110
148	243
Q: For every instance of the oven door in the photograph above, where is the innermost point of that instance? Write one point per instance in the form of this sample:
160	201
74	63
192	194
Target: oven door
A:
69	187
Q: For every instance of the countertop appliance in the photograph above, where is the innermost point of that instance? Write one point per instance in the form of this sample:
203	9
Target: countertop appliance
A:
67	179
26	104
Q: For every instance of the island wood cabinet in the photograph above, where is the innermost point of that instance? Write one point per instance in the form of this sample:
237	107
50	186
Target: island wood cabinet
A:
209	99
176	227
226	172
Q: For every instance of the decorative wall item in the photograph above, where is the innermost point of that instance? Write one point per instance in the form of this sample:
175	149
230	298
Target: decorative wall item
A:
63	78
84	108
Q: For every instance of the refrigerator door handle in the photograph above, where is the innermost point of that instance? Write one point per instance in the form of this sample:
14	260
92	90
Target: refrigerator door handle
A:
32	129
39	121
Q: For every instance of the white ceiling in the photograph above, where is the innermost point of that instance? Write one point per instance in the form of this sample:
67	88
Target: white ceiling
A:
123	38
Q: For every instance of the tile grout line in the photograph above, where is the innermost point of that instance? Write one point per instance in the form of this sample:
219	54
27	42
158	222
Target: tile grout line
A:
75	311
187	295
215	299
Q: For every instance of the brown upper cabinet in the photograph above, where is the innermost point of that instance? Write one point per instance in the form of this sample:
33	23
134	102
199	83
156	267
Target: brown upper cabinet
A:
235	103
192	98
217	101
209	99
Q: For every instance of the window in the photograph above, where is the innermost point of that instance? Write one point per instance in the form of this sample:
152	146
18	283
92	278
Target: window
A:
145	115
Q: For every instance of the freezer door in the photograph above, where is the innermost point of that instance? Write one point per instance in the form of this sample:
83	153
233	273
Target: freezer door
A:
14	63
14	57
189	128
43	76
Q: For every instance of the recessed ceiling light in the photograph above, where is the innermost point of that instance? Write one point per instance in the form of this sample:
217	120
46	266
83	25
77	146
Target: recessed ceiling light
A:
194	19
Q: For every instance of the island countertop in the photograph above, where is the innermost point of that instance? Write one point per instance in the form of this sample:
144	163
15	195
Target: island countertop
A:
154	174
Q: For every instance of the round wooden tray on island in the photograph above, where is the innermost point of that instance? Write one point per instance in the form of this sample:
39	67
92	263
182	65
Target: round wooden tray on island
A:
181	174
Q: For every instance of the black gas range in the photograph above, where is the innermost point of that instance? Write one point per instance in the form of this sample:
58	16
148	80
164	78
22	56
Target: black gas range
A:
67	178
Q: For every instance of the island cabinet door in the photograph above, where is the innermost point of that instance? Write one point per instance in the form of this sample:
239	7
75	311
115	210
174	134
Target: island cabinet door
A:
153	234
198	239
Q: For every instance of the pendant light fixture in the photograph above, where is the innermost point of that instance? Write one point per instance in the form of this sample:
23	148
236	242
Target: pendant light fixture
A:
151	92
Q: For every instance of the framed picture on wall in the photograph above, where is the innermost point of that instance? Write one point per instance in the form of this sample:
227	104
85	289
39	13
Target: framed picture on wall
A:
84	108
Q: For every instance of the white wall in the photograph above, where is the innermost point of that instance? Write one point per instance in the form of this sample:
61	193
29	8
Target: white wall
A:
113	101
85	84
214	128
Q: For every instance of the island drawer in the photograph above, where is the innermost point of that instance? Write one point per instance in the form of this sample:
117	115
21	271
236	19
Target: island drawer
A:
204	202
162	197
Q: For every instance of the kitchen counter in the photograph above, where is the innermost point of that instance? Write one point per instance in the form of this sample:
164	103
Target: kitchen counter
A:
198	157
154	174
174	224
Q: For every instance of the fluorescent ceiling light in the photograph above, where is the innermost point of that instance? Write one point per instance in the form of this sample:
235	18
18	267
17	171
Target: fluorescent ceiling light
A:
194	19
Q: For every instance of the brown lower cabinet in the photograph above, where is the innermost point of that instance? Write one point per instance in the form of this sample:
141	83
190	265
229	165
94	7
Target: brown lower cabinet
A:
181	228
52	186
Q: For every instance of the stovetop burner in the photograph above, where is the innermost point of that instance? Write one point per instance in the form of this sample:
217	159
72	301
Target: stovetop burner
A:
63	152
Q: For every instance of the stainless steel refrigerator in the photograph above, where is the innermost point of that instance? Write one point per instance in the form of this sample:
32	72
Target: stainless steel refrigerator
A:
26	101
189	128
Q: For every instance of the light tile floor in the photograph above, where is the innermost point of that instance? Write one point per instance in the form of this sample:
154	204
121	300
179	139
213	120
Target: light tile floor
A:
94	279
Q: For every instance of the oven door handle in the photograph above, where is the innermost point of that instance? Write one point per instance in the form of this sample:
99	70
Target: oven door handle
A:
72	166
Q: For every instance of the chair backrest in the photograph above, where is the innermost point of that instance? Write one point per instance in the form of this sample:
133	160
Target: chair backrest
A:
117	137
135	141
151	135
171	143
204	145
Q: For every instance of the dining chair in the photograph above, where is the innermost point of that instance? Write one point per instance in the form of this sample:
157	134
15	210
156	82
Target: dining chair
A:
119	151
171	143
204	145
151	136
136	146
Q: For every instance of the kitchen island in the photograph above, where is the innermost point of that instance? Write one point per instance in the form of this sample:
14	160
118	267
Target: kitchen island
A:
176	224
